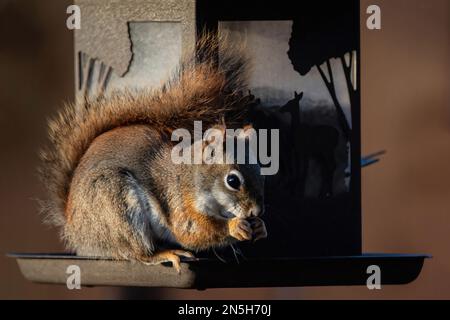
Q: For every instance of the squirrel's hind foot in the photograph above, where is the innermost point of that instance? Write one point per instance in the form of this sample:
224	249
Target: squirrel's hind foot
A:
172	256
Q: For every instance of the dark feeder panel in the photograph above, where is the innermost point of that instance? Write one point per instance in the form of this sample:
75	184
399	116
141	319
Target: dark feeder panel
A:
313	204
306	67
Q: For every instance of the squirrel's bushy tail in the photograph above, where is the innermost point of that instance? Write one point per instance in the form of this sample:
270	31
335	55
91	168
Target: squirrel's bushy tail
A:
205	87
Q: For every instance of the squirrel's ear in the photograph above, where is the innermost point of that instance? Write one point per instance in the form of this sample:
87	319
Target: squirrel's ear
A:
212	134
213	144
247	132
220	127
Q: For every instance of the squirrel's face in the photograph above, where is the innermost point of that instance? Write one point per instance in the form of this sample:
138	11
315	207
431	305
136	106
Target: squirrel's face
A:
228	188
231	190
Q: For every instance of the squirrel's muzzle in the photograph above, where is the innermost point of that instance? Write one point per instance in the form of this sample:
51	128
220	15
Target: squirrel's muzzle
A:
255	211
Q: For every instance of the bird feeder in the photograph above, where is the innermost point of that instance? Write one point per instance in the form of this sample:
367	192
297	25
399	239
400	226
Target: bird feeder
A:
306	80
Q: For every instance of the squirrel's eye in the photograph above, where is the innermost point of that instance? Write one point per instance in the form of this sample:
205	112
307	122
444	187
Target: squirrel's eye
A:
233	181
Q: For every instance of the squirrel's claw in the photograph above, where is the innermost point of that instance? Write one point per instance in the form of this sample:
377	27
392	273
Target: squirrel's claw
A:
185	254
172	256
175	262
259	229
240	229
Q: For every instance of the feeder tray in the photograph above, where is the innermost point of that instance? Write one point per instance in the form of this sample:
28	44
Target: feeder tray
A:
395	269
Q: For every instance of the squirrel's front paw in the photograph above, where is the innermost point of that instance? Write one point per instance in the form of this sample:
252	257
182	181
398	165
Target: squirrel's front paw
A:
240	229
259	228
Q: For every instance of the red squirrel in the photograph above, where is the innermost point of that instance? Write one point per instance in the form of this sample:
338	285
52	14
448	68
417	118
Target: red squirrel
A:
113	189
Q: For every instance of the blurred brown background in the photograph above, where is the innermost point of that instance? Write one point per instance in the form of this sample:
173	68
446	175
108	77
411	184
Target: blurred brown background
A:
405	110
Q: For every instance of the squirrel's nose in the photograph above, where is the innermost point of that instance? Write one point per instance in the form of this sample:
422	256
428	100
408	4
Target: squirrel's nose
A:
254	211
